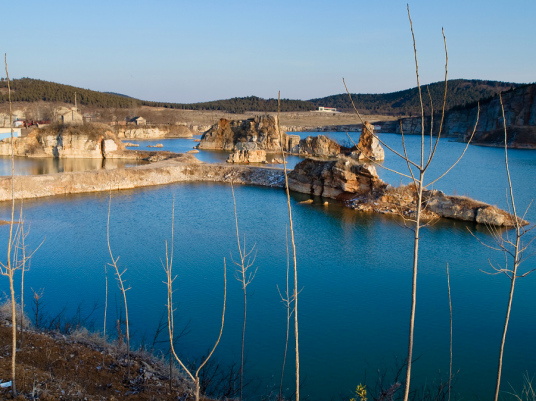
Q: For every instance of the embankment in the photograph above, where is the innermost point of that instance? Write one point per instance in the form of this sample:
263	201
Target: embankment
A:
184	168
344	180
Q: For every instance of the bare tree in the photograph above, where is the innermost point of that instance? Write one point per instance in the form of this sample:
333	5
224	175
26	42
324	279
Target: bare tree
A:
170	310
513	250
421	166
287	301
120	282
295	292
450	310
244	276
105	300
8	269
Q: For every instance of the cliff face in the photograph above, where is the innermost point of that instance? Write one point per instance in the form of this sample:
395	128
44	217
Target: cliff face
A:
156	132
520	114
95	141
259	133
332	179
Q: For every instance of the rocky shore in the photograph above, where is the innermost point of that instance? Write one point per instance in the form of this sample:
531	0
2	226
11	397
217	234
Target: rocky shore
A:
345	180
344	174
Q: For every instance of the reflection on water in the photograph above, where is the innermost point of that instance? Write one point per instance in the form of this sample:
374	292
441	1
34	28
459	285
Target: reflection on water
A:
183	145
354	268
49	165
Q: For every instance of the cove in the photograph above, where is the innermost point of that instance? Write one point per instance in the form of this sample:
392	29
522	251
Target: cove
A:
354	270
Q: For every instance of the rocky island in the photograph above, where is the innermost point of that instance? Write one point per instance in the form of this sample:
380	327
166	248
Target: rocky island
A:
337	172
252	139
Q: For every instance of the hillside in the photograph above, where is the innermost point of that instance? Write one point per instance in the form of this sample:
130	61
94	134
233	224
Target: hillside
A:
519	110
403	103
460	92
33	90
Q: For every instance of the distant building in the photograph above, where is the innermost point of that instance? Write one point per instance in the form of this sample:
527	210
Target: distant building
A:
72	117
137	121
328	109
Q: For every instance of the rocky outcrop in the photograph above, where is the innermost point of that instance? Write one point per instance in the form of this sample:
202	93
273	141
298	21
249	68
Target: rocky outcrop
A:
319	146
247	156
368	147
262	133
259	133
464	208
520	115
154	131
332	179
402	201
89	141
361	189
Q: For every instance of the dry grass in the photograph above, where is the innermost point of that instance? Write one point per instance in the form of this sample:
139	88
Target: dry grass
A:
304	118
85	366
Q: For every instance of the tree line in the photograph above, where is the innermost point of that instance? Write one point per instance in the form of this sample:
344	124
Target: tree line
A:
461	93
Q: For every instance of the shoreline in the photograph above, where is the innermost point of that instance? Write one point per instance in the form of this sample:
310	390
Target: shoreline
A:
186	168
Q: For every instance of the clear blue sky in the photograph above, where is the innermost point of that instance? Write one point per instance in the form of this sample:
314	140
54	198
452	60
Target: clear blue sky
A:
200	50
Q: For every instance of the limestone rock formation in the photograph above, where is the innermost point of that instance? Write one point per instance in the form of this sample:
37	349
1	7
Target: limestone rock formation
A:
260	133
402	201
320	146
247	156
89	141
333	178
154	132
368	147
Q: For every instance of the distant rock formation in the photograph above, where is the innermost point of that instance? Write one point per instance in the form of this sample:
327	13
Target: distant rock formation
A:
262	133
259	133
520	113
368	147
154	132
319	146
89	141
247	156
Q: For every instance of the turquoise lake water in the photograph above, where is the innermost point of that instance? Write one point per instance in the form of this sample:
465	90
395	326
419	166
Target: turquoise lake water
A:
354	275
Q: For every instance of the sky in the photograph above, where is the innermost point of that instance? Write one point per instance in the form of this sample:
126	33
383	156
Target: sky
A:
202	50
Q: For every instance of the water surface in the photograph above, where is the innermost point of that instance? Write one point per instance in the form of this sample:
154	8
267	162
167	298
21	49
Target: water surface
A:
354	275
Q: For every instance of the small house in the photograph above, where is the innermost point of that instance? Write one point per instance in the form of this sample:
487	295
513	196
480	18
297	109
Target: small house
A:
327	109
137	121
72	117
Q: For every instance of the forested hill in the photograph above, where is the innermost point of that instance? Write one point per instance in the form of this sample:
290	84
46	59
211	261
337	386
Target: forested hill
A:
406	102
33	90
240	105
460	92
